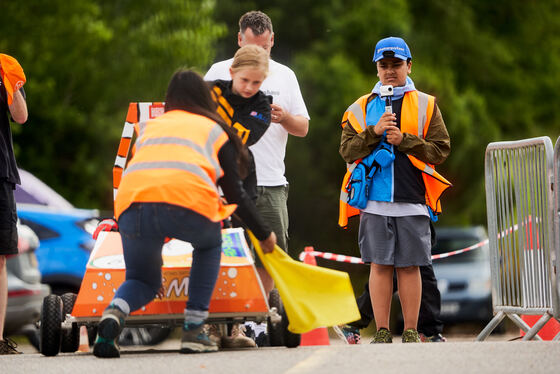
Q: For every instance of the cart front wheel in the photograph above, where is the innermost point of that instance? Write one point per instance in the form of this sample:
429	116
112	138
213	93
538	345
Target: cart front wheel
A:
278	334
70	339
51	319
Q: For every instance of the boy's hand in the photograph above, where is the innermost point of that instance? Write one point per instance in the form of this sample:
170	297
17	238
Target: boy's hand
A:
387	120
394	135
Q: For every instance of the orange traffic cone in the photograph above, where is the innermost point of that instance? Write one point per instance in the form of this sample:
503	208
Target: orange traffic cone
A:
84	340
318	336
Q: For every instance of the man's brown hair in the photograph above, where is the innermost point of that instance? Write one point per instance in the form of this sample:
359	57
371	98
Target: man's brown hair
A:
257	21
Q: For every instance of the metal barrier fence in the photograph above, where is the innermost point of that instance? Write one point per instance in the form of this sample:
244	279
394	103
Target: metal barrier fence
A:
520	208
556	254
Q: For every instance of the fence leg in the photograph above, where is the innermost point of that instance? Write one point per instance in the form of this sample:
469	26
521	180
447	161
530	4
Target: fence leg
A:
522	325
491	326
537	327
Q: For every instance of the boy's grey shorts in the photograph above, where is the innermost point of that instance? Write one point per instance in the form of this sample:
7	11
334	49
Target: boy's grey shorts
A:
397	241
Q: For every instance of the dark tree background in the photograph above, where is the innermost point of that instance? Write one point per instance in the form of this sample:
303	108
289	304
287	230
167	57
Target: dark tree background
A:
494	67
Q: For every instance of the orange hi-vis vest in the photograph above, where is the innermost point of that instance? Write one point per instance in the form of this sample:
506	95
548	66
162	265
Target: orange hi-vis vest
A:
416	114
176	162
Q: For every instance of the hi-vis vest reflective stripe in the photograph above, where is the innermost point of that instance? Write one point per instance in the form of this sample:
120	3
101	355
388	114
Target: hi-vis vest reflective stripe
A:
176	162
416	113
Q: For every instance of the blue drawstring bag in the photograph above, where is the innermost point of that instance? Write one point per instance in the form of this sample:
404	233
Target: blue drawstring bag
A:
384	155
360	182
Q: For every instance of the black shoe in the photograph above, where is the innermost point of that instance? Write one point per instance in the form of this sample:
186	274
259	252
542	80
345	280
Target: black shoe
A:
108	331
262	340
8	347
437	338
382	336
351	334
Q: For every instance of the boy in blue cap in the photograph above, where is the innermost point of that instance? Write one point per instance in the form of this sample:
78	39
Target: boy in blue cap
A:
394	232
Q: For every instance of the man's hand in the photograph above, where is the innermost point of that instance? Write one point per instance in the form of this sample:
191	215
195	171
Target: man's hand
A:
294	125
277	114
268	244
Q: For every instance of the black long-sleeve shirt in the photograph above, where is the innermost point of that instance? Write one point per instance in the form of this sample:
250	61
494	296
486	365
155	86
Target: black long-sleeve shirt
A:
250	117
232	186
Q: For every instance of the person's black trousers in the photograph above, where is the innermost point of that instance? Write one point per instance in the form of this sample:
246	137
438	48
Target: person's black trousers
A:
428	320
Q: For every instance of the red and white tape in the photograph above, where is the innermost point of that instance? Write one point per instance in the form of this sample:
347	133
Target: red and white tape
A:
357	260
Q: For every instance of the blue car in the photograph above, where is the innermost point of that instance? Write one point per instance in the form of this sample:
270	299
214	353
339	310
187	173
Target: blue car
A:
64	233
66	244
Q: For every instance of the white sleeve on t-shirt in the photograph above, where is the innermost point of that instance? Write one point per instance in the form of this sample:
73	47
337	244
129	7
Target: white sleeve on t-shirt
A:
220	70
269	152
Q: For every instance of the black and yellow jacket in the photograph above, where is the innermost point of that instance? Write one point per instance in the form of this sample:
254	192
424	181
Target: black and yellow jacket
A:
249	116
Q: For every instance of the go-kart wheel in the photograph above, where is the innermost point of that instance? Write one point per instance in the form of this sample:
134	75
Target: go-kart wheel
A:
150	335
70	339
279	335
291	340
92	334
275	334
51	318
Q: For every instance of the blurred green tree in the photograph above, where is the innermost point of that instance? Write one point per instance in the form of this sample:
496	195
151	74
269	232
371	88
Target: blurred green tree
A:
493	82
85	60
492	65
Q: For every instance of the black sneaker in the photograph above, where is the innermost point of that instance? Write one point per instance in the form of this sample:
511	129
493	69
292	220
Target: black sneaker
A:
410	336
351	334
8	347
108	331
437	338
262	340
382	336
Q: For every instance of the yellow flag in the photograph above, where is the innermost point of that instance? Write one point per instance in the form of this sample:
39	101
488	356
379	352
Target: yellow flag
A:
313	296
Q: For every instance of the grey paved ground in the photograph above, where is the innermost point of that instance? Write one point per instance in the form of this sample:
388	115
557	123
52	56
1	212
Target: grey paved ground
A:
459	355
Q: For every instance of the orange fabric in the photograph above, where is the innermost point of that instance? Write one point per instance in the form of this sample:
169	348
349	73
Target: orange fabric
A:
349	118
169	183
12	75
435	183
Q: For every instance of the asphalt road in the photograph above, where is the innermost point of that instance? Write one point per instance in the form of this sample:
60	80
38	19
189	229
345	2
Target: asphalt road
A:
459	355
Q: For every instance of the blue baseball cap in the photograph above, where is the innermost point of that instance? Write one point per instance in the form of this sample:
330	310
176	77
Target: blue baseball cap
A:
391	47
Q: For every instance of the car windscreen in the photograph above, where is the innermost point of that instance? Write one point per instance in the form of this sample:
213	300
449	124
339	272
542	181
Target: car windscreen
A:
450	244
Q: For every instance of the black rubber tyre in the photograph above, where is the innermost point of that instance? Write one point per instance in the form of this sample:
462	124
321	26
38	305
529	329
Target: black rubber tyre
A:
279	335
92	334
70	339
291	340
51	318
275	332
151	335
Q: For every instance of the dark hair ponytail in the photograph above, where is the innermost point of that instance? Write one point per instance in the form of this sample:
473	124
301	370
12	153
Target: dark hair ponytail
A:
189	92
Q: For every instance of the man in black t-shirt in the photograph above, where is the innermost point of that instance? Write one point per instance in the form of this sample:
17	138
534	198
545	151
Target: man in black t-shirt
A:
9	177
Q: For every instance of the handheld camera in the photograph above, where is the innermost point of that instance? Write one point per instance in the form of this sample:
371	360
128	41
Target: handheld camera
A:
386	91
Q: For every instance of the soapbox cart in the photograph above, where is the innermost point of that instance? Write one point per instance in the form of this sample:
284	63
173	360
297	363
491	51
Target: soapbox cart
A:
238	295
